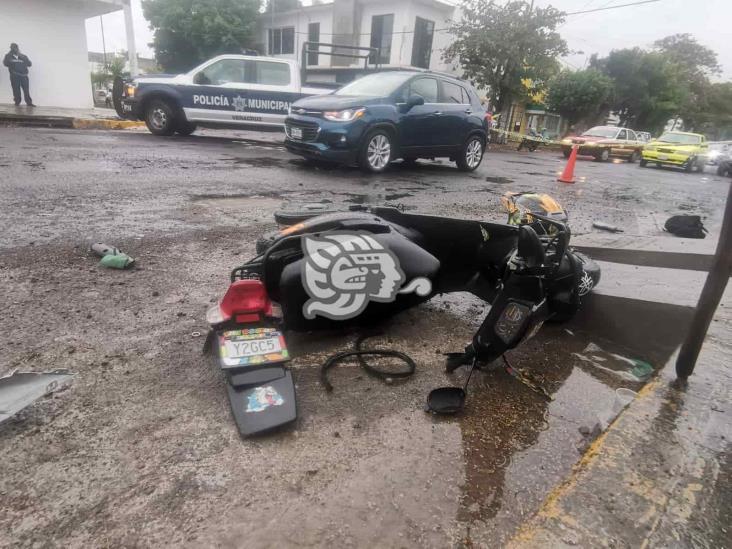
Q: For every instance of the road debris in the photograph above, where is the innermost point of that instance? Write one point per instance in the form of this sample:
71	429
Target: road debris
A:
628	369
606	227
20	389
111	257
686	226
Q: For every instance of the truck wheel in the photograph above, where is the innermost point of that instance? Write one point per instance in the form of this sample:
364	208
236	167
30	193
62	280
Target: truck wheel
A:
689	166
643	163
160	118
603	155
376	151
634	156
471	154
186	128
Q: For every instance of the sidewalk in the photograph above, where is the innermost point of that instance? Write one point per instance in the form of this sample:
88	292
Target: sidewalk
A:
55	117
660	474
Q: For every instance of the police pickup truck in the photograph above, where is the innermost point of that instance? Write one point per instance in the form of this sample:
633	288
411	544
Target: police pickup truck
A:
228	91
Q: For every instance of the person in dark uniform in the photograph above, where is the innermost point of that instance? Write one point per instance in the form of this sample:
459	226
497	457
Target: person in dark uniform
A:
18	64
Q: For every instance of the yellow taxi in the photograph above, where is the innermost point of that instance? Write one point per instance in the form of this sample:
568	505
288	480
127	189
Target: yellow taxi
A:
683	149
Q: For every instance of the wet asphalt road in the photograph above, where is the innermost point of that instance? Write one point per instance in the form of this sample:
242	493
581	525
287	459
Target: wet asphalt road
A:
142	448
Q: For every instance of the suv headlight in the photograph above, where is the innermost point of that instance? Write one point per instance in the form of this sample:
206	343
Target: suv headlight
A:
345	115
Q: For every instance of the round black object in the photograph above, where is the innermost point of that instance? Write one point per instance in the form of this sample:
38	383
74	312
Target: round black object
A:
446	400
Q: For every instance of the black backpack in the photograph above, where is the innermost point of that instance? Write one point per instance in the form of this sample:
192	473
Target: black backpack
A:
686	226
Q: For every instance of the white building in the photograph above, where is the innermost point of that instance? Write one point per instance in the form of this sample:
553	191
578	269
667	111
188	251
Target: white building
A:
52	34
409	33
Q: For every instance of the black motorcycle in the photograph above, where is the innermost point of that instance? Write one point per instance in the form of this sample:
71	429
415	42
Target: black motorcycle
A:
314	275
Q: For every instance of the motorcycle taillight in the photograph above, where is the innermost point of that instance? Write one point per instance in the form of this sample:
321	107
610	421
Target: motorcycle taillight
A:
245	301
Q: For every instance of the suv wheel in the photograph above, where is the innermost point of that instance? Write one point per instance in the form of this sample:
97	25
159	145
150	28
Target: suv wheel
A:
471	154
376	151
160	118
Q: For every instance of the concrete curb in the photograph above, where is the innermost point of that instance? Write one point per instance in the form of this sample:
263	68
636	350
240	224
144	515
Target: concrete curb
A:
652	479
70	122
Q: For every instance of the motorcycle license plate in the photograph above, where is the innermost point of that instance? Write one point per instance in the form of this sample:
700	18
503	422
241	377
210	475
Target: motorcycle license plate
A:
296	133
663	157
252	347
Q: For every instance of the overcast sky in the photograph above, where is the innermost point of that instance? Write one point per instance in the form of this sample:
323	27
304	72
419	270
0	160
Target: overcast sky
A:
600	32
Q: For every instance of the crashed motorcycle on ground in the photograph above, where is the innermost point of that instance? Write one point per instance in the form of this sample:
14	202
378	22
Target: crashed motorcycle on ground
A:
361	267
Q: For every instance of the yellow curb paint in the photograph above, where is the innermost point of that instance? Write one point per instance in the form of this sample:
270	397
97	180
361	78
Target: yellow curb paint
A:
91	124
551	509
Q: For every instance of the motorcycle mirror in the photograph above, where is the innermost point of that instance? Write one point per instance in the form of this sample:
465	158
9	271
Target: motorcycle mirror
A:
449	400
446	400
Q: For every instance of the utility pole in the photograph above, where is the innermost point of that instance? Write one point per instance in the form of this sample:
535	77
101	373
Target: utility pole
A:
710	297
131	49
104	44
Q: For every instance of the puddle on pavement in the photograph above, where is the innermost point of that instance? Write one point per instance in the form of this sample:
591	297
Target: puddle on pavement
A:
397	196
499	180
516	444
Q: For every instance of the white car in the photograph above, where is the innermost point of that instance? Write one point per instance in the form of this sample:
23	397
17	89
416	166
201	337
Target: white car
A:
718	150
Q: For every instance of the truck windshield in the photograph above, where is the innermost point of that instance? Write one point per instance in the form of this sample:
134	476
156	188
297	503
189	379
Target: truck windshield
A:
680	138
375	85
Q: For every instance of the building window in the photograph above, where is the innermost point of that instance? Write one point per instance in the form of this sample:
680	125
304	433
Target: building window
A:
422	46
382	27
281	41
313	36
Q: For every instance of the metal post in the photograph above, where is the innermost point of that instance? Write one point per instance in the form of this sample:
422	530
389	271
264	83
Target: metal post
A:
710	296
131	49
104	43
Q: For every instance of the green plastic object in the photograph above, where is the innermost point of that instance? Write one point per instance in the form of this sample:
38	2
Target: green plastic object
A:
642	369
118	261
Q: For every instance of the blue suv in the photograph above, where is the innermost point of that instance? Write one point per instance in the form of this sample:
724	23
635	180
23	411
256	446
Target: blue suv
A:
390	115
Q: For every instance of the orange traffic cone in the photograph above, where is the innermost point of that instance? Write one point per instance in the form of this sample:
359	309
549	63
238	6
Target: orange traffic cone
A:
568	173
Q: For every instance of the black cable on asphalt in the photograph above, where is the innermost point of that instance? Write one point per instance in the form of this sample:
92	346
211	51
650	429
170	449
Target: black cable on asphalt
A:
359	353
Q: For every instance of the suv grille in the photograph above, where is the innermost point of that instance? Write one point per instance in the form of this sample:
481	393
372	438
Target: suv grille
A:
309	130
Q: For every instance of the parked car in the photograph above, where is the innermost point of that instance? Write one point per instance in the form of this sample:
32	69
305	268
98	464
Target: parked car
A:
724	166
602	142
390	115
681	149
718	151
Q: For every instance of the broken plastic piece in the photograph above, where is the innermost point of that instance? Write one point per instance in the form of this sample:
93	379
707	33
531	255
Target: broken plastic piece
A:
607	227
20	389
111	256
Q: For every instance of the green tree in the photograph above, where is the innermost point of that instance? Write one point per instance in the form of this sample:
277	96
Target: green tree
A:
281	5
187	32
509	49
646	87
115	67
715	116
580	95
694	65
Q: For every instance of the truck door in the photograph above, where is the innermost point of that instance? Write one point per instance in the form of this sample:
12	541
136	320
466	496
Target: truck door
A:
242	92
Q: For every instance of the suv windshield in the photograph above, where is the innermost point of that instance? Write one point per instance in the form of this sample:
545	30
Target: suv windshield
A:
680	138
375	85
601	131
